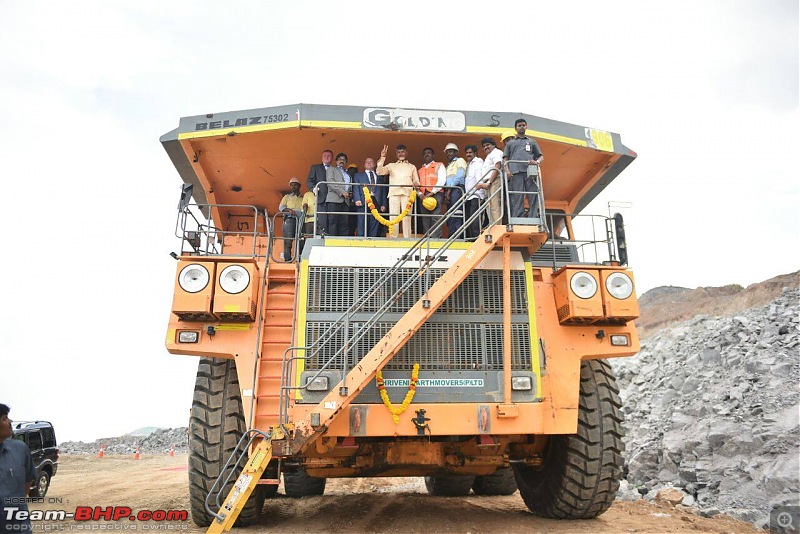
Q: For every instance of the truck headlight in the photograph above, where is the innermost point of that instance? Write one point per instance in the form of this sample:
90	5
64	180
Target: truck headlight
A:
234	279
619	285
188	336
521	383
193	278
583	285
318	384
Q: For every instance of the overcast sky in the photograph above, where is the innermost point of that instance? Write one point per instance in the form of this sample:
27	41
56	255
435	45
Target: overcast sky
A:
705	92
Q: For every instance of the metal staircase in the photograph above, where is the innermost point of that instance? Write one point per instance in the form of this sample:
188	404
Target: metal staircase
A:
277	336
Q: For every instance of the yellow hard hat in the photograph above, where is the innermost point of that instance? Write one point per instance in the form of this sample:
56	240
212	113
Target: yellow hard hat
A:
429	203
508	134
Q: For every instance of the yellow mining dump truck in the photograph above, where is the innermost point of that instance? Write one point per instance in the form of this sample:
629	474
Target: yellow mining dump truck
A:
476	361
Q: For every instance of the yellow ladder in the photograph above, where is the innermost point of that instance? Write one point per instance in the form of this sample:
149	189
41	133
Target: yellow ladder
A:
244	486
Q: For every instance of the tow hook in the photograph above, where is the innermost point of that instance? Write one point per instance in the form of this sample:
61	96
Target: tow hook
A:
421	422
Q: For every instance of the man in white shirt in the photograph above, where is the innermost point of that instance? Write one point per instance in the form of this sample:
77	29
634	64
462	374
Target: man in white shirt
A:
492	182
475	195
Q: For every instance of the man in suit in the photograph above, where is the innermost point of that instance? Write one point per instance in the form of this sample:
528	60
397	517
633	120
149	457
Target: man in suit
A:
316	175
369	178
337	199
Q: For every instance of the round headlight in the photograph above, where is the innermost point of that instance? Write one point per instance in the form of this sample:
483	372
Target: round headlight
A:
583	285
619	285
234	279
193	278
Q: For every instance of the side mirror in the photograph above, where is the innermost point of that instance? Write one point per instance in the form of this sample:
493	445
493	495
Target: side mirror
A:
622	246
186	196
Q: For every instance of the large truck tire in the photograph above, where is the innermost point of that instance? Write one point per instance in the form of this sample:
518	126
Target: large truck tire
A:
449	485
501	482
299	484
215	426
579	477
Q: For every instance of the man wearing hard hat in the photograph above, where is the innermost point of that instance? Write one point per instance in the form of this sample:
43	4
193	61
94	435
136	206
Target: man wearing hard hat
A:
291	206
456	173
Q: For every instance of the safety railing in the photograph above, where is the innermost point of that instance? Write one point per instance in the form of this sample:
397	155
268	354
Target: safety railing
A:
528	188
230	471
419	219
200	236
426	258
588	239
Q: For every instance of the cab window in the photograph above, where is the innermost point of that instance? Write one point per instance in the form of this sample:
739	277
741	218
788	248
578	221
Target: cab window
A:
35	440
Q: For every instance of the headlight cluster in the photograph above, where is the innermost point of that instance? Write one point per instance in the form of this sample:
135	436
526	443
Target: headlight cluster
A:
193	278
583	284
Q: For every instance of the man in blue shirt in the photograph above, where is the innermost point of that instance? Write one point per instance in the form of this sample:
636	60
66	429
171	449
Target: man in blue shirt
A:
520	153
17	475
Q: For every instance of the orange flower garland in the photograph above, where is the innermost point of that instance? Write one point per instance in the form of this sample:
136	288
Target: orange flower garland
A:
412	389
379	217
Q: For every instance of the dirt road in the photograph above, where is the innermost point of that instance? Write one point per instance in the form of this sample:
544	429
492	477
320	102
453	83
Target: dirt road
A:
395	505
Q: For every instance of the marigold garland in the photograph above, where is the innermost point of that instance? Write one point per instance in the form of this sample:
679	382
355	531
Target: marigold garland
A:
412	388
379	217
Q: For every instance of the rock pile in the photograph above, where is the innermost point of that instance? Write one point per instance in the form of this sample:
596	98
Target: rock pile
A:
159	441
712	408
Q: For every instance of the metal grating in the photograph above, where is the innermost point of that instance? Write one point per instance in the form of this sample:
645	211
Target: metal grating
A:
436	346
560	253
333	289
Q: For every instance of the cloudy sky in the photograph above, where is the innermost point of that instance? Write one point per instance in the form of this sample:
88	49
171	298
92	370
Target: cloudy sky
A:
705	92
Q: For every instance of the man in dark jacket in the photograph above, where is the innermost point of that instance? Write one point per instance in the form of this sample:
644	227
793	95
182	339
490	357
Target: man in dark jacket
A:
316	175
369	178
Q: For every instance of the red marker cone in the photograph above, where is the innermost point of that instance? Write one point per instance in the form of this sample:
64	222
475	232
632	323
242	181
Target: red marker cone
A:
102	451
172	451
136	454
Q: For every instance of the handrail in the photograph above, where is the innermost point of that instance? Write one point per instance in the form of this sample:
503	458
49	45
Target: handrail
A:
539	208
343	320
206	238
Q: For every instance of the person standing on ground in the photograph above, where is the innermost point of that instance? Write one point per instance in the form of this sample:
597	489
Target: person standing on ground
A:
432	177
402	178
368	178
492	182
17	475
475	194
316	175
522	148
456	173
291	206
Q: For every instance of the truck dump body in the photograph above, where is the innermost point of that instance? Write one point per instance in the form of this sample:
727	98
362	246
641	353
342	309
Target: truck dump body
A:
500	326
246	157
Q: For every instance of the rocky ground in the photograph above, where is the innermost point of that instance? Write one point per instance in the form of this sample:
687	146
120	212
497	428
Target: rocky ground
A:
712	406
160	441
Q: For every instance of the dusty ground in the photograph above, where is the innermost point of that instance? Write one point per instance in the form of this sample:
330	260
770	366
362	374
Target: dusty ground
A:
357	505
